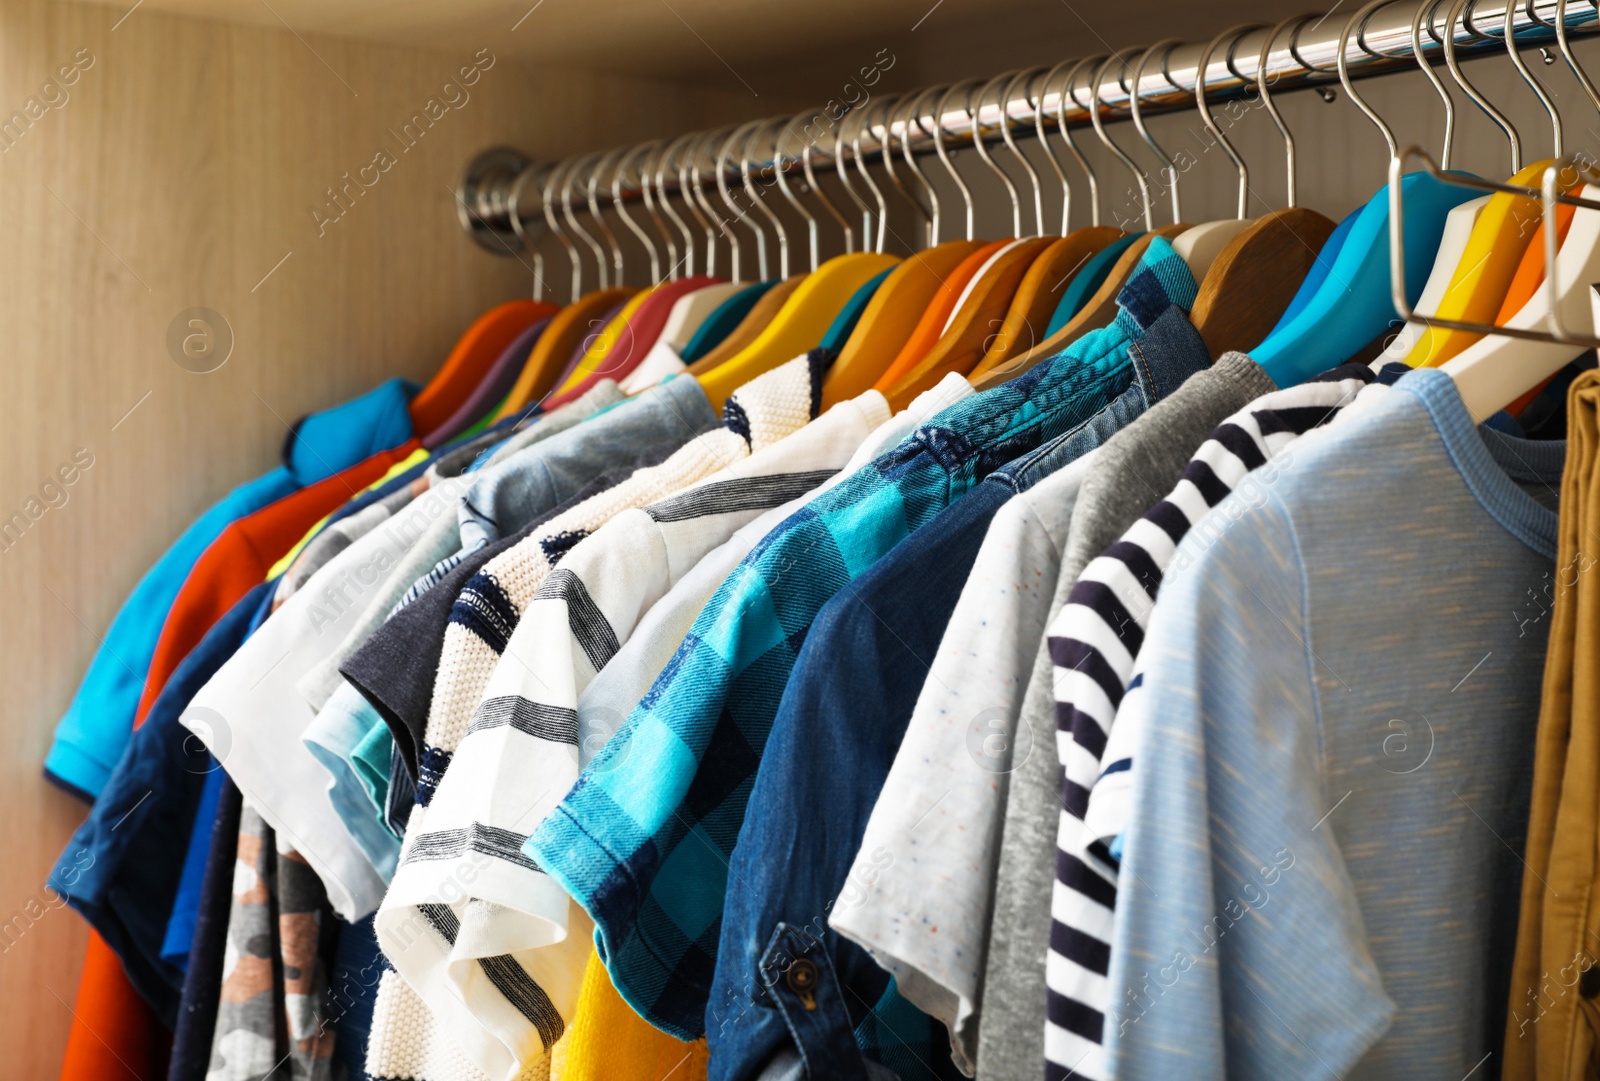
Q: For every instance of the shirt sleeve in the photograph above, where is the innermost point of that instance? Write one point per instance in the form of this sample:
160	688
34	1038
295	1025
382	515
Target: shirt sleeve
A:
1239	949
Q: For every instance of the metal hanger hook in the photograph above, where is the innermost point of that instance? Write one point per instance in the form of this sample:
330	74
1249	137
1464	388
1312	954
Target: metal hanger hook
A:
1508	29
1100	132
568	178
1262	83
780	163
707	147
944	155
1065	131
1461	8
1135	104
850	189
807	147
773	126
1433	77
891	108
655	198
547	190
935	208
1234	35
724	145
529	236
617	173
872	185
591	189
1572	61
1359	19
1023	76
997	83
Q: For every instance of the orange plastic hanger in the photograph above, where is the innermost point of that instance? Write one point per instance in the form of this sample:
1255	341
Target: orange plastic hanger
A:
1036	298
977	318
567	329
932	324
474	353
1100	310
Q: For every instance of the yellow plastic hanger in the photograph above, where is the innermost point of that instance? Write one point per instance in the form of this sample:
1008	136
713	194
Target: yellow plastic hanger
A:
898	305
1505	227
807	314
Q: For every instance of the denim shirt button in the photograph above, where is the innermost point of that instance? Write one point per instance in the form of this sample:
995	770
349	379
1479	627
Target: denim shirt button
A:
801	977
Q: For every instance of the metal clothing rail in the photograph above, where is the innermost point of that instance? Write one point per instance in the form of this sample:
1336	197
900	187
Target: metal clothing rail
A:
498	183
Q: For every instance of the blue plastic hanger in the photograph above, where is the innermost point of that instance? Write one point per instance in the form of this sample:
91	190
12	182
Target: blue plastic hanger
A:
1351	307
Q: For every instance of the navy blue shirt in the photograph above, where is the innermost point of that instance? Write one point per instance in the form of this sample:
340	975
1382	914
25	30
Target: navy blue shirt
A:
122	867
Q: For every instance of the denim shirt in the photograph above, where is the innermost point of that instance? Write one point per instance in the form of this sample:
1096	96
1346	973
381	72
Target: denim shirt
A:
837	730
642	840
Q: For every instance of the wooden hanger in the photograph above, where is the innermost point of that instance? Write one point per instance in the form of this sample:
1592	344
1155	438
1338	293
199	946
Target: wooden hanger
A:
568	327
1252	280
976	319
1036	299
1100	310
604	346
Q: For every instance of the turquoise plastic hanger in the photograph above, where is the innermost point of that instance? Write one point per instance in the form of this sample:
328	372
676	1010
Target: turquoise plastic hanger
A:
1352	307
1088	281
1319	271
720	323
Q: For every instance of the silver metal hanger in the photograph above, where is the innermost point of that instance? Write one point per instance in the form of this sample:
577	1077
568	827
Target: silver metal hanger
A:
719	227
788	193
1100	132
806	149
569	178
1135	105
755	196
935	208
1509	31
944	155
547	190
529	235
1204	106
872	185
1011	144
1433	77
998	82
590	189
1572	61
850	189
887	142
634	227
1499	118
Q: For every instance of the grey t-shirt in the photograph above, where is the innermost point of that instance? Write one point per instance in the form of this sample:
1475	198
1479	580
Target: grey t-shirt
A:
1134	469
1333	779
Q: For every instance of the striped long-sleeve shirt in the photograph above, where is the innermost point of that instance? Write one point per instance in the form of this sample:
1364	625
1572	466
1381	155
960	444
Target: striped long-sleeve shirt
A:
1093	643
